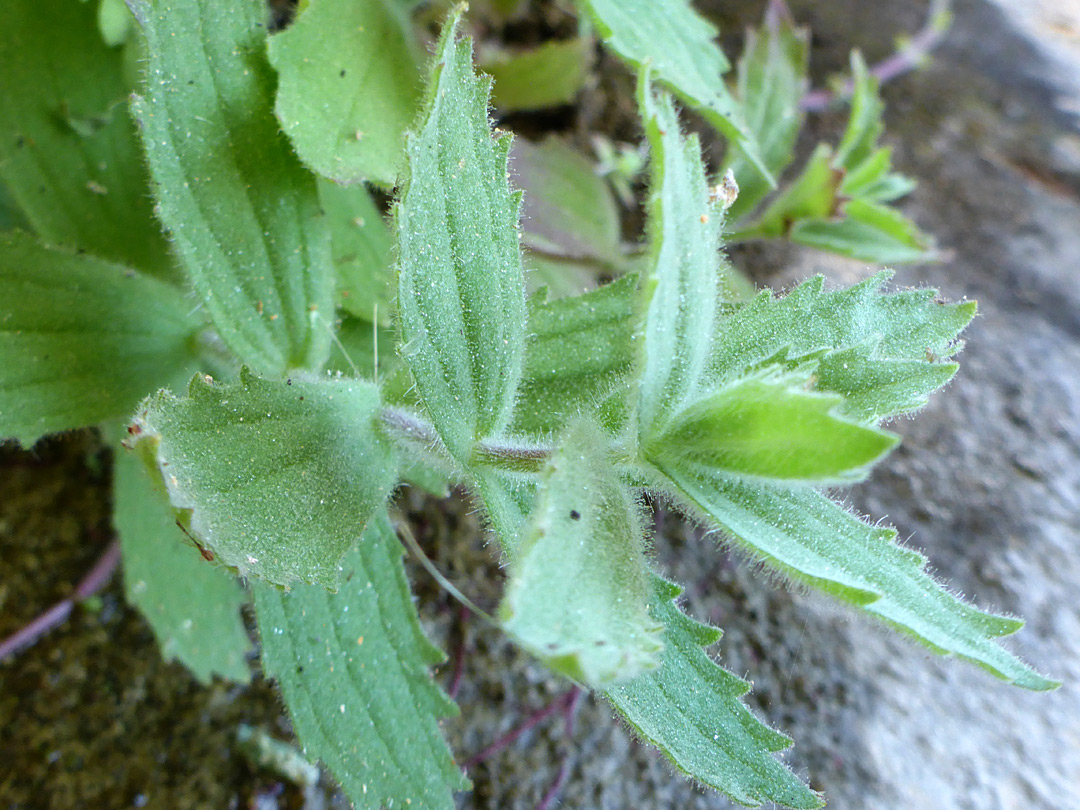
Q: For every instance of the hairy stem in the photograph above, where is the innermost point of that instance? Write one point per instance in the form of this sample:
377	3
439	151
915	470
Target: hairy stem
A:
510	454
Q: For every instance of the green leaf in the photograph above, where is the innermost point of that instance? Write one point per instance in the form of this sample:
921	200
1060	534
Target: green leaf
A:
349	86
461	285
868	231
772	81
115	22
808	537
811	195
874	180
68	149
678	46
874	389
276	478
882	350
354	669
568	209
549	75
507	500
689	708
579	350
192	605
11	216
243	212
578	590
770	426
81	339
361	247
864	125
681	289
837	201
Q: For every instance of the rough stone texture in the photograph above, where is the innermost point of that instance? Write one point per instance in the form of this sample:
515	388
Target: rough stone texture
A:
986	483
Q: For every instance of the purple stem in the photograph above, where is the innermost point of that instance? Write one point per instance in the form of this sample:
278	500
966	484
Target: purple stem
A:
96	578
558	704
901	62
569	714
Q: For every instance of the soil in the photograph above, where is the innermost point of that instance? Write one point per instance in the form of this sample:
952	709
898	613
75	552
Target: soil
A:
987	483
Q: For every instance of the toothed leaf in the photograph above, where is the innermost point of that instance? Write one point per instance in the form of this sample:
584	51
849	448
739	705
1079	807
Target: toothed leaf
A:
689	708
354	669
277	478
347	88
461	283
243	213
881	350
81	339
807	536
578	591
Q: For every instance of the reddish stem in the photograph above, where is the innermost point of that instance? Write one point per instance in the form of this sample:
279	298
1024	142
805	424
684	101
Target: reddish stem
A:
901	62
96	579
569	714
558	704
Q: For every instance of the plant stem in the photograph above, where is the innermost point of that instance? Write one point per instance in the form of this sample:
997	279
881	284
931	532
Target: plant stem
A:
906	59
508	453
96	578
557	785
558	704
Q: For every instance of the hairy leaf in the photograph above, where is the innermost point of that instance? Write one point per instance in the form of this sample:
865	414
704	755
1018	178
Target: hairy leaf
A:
192	605
548	75
82	339
809	537
770	426
579	350
243	212
68	149
677	45
276	478
578	593
681	287
568	209
361	248
689	708
461	286
508	500
882	350
348	87
354	669
772	81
